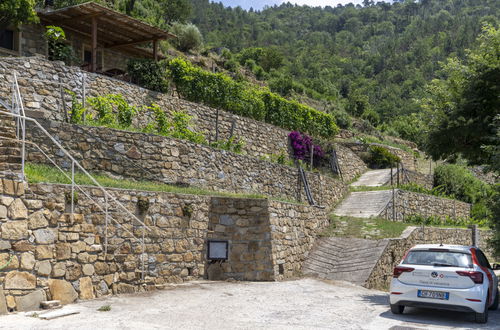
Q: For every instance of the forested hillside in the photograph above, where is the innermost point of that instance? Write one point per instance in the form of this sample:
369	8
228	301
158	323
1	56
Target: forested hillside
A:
359	59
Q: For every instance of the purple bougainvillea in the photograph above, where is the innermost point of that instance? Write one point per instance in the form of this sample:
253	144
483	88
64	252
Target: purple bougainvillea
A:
301	145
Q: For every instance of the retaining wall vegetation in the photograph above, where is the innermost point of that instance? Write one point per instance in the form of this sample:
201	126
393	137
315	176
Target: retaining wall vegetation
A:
43	84
151	157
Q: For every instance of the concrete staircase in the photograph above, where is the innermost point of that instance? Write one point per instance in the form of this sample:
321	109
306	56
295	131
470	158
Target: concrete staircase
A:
364	204
374	178
10	151
344	259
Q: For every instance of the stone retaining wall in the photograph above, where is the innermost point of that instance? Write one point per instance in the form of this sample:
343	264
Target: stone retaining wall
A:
424	180
293	232
411	203
43	99
152	157
48	253
381	275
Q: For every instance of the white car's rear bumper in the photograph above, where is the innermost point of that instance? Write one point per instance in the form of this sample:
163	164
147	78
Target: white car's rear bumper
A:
403	294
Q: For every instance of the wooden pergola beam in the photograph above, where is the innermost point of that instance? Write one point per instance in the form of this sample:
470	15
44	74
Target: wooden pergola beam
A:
134	42
93	66
79	18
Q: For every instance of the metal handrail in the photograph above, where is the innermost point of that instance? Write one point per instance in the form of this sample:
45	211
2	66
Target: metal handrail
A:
17	111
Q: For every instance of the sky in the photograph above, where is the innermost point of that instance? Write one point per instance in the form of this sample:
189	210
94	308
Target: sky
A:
259	4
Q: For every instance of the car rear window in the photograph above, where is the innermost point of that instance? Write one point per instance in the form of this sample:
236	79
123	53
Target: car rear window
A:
438	258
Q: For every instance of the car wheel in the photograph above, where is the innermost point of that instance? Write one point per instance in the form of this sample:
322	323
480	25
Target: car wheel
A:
483	317
397	309
494	307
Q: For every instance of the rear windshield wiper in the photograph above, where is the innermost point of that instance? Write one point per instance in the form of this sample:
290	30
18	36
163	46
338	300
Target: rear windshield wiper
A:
443	264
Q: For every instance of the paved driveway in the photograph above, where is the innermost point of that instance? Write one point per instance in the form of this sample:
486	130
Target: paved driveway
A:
299	304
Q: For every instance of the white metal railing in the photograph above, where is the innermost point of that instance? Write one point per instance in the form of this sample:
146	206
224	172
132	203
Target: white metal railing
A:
18	113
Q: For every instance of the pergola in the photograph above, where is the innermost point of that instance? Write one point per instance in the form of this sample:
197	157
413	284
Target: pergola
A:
106	28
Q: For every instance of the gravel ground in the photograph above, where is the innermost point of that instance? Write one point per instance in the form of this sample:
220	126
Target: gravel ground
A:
299	304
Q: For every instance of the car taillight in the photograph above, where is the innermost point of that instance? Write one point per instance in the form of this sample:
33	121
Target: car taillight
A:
400	270
476	277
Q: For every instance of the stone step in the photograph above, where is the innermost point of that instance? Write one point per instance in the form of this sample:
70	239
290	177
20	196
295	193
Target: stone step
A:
374	178
344	259
364	204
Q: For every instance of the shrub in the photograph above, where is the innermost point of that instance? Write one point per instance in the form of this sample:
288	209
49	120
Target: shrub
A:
77	109
436	221
219	90
148	74
342	119
232	144
458	181
188	36
302	145
58	50
106	106
380	157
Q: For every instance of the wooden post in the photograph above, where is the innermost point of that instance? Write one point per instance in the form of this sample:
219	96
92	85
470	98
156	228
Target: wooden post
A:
397	173
312	156
217	125
392	183
93	66
84	92
155	49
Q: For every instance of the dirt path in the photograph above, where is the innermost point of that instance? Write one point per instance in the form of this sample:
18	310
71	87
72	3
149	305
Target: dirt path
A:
300	304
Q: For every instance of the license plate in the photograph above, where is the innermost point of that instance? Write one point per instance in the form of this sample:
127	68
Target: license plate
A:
433	294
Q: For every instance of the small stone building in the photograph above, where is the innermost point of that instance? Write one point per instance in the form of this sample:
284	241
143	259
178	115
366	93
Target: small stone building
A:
102	40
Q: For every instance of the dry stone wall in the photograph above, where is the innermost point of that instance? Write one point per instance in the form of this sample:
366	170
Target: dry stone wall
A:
46	252
145	156
293	232
411	203
381	275
43	82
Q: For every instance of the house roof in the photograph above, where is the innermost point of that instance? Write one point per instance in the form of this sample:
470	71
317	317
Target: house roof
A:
114	29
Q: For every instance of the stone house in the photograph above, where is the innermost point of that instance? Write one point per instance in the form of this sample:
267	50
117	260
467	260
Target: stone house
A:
102	40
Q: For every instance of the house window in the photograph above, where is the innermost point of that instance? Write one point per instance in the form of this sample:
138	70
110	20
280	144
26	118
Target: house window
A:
7	39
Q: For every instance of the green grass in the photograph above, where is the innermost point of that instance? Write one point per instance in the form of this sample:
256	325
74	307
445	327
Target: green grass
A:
367	188
37	173
375	228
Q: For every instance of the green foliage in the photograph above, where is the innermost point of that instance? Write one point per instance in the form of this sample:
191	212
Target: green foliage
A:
77	110
160	124
179	128
413	128
436	221
386	51
58	49
188	36
436	191
104	308
268	58
380	157
464	107
232	144
458	181
342	119
15	12
148	74
220	91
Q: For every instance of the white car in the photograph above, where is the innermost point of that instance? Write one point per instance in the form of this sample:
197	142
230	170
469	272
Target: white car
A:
452	277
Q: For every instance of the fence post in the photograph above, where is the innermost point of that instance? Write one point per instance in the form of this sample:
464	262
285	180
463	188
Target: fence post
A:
72	190
474	235
84	96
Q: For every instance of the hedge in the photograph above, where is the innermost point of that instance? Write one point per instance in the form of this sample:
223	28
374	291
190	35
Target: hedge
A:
220	91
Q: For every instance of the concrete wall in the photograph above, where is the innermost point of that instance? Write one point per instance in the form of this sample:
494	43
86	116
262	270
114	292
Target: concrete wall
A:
411	203
43	100
49	254
145	156
381	275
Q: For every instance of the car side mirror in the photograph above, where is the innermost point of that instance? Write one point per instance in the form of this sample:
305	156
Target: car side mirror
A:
496	267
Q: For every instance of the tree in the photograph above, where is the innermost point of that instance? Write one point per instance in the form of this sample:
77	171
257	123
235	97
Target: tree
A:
463	108
15	12
464	112
176	10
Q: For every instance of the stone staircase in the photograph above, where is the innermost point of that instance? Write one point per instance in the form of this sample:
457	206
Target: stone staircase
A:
10	151
373	178
364	204
344	259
